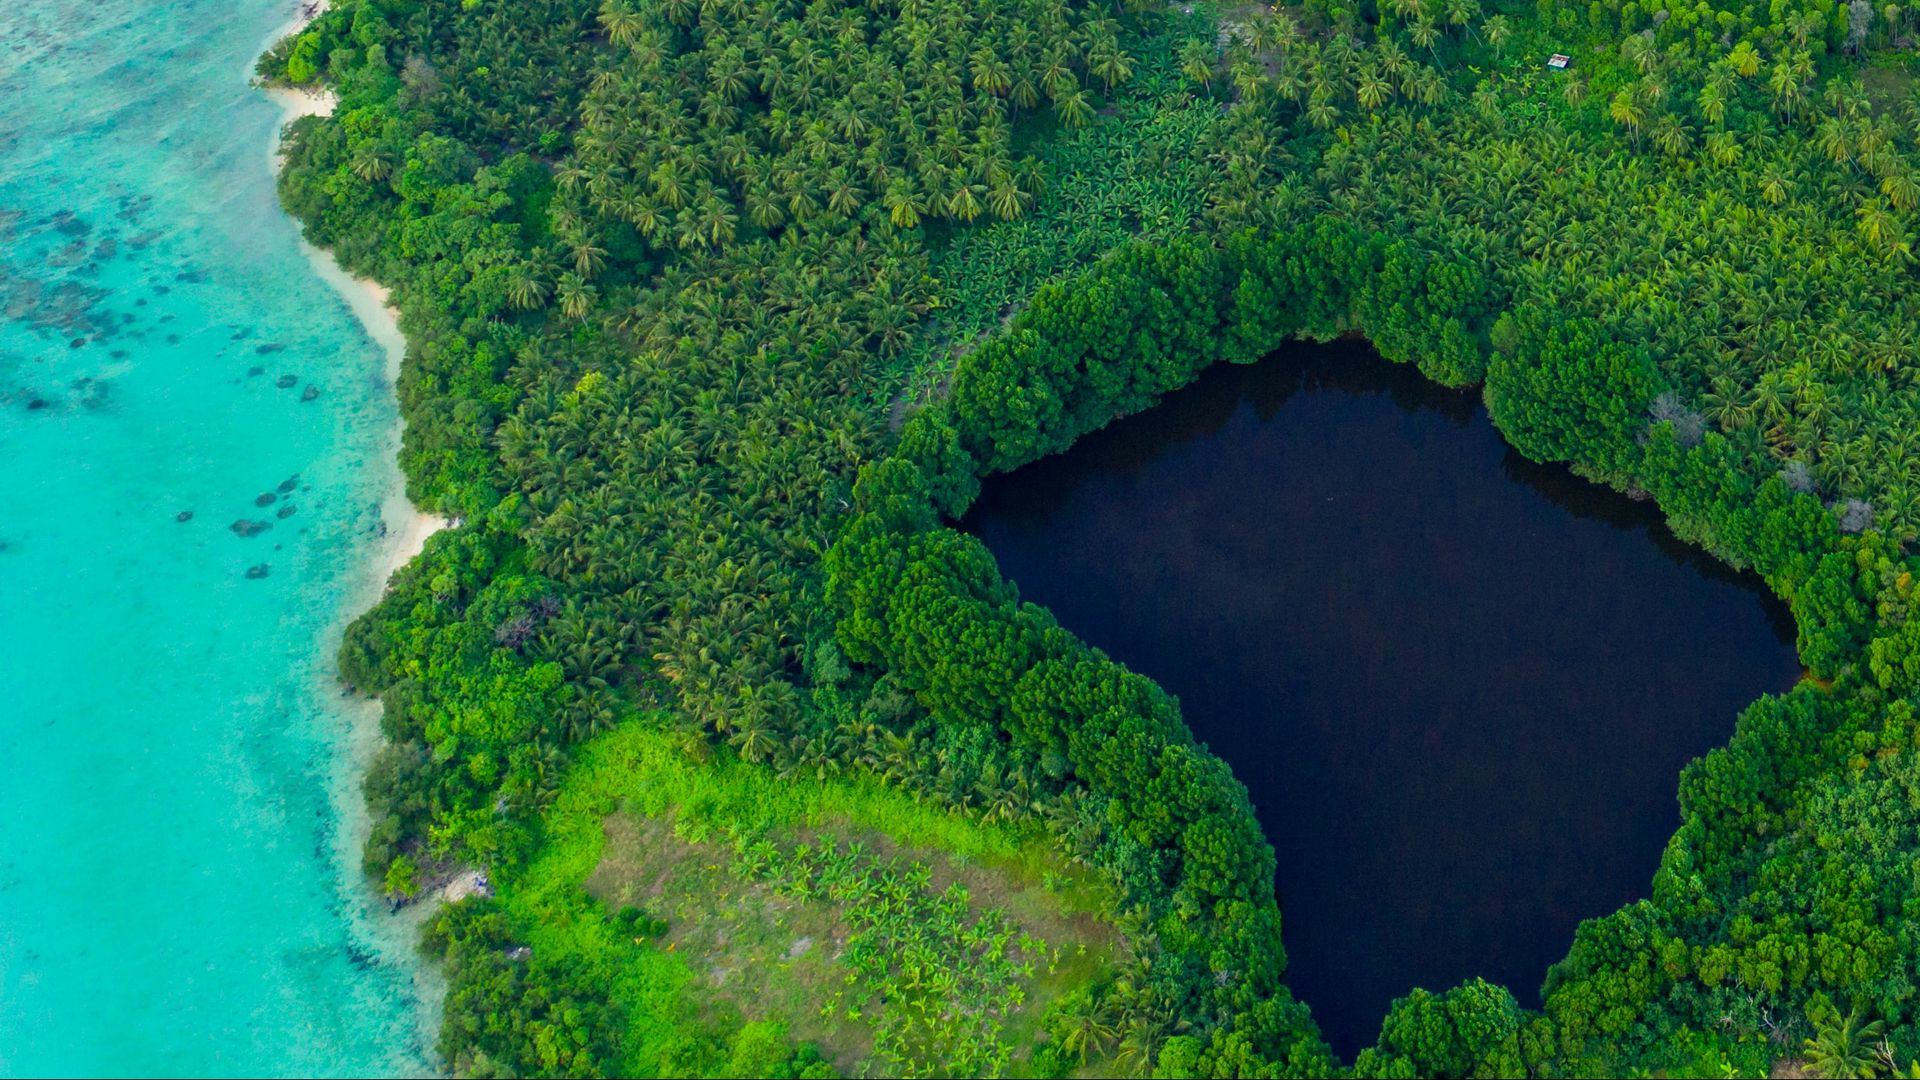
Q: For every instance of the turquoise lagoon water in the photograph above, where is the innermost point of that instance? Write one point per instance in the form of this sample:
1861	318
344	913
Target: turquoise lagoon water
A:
177	773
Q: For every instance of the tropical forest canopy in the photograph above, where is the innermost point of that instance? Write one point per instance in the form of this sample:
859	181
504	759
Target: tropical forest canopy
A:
718	311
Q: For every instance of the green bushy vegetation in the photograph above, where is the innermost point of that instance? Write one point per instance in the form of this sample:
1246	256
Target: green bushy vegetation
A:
672	273
552	978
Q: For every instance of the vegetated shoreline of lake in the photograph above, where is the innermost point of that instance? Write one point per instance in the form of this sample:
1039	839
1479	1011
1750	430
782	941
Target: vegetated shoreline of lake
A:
1425	832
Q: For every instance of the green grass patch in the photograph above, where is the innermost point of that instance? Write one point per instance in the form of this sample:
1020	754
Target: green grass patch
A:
894	936
732	915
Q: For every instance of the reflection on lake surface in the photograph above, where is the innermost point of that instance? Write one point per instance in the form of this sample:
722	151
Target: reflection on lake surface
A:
1459	686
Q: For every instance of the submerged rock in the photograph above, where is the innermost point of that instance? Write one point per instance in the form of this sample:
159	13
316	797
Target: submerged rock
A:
286	511
256	371
310	392
270	347
244	528
258	571
285	382
265	498
184	515
289	484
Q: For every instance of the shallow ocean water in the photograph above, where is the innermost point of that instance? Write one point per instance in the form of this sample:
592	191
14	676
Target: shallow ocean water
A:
177	883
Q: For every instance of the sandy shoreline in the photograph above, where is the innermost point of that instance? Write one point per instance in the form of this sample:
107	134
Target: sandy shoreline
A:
403	533
406	526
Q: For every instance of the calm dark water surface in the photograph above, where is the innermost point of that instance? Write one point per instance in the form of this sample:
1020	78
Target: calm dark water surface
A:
1459	686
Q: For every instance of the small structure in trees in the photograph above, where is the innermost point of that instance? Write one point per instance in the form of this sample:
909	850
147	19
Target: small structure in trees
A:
1559	61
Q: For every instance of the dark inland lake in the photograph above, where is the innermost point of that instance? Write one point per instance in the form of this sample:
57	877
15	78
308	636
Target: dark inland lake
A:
1460	686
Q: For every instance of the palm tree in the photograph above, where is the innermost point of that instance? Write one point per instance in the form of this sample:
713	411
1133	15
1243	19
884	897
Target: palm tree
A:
1462	12
1726	405
1835	140
647	216
1092	1027
1429	87
1843	1049
963	201
1146	1032
1625	111
1025	93
1074	109
1901	189
589	258
1110	65
622	25
715	219
904	203
576	296
1775	185
1672	137
1249	79
1425	35
1784	83
1713	103
371	163
669	184
1498	31
1394	63
1196	62
1879	227
1640	53
526	290
1372	91
763	208
991	75
1723	147
1056	74
570	176
843	193
1284	30
1320	111
752	738
1287	85
729	77
1007	199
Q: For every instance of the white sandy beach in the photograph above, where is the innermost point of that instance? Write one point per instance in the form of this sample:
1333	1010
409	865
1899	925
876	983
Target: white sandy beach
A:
408	527
404	537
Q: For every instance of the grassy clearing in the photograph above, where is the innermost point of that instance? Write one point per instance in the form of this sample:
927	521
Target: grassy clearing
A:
890	935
